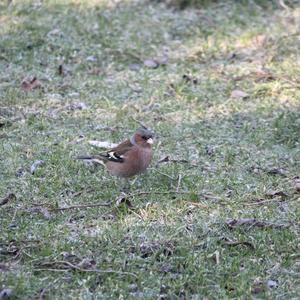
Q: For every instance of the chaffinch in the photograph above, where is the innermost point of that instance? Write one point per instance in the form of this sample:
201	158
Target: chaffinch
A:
130	158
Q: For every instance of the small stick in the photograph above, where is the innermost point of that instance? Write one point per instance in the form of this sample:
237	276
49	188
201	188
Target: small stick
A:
158	193
81	206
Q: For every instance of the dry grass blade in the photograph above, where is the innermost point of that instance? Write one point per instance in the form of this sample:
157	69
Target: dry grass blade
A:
228	242
81	206
234	223
61	266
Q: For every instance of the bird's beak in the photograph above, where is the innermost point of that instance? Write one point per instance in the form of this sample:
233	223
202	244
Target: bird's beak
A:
150	141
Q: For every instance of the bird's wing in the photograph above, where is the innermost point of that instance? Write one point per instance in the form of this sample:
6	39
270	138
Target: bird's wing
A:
117	154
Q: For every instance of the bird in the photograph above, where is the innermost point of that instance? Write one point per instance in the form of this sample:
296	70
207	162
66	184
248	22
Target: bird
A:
130	158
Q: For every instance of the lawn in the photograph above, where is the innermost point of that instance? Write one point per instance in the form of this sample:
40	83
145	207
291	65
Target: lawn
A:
217	214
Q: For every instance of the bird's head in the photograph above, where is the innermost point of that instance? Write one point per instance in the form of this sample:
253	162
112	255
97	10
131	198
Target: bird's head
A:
143	137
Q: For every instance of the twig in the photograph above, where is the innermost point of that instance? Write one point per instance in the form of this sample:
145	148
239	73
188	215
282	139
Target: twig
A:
229	242
82	206
234	223
158	193
167	159
275	200
178	183
73	267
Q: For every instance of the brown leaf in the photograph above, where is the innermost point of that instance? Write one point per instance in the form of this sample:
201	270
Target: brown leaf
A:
239	94
8	198
30	84
234	223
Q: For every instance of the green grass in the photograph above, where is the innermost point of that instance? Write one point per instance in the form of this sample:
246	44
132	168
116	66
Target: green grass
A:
169	245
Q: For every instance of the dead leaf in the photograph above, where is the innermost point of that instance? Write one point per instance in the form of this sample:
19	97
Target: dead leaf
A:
239	94
151	63
35	165
147	249
277	171
87	264
8	198
6	293
234	223
123	199
276	193
30	84
104	144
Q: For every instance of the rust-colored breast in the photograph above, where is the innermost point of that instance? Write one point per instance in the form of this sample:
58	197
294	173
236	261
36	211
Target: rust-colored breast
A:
135	161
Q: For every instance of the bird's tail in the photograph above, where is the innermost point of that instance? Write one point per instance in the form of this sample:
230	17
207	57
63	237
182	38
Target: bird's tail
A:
98	159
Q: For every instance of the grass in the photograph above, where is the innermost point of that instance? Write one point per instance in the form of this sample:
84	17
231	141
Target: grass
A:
240	151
